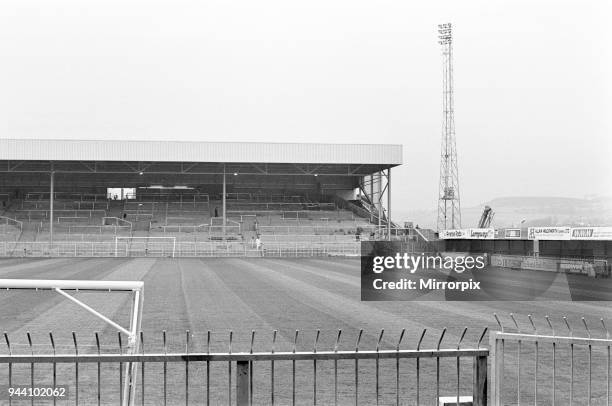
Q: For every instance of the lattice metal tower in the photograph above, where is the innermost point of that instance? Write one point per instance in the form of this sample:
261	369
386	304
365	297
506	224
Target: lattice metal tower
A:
449	206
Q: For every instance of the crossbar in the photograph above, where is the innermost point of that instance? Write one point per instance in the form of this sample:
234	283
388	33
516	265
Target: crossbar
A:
50	284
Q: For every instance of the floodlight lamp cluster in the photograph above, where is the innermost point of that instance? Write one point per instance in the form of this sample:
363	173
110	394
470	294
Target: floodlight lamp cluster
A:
445	33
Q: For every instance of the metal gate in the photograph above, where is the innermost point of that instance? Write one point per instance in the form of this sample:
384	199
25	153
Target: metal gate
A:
554	364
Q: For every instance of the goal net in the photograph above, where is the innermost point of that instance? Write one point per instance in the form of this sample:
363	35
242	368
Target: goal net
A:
145	246
67	288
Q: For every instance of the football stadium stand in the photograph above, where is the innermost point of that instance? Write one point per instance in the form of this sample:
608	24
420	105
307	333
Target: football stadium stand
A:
117	198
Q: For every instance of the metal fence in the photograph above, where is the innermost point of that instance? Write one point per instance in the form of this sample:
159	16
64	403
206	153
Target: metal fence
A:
554	364
533	364
94	374
145	248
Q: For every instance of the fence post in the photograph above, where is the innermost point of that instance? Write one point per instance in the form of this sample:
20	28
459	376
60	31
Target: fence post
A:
497	366
242	383
479	395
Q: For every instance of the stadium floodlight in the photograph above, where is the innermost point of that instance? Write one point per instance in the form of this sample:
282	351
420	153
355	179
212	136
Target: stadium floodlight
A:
444	34
134	287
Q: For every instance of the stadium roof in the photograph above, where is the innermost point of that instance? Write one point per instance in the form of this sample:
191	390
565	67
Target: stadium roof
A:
199	152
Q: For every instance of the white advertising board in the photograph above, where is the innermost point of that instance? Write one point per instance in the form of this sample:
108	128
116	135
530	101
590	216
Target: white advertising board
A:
481	233
468	234
591	233
549	233
453	234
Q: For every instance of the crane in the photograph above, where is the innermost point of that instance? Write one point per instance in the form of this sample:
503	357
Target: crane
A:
486	217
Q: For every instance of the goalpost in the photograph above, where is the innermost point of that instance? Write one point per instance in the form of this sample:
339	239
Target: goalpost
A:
136	288
129	240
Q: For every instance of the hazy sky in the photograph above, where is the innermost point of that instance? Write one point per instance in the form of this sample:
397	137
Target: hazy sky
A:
532	82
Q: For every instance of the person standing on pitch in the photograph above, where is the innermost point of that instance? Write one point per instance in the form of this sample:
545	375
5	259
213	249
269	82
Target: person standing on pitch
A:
258	244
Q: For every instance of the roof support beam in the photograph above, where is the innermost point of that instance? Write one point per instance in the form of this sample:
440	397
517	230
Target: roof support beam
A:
89	167
260	170
186	168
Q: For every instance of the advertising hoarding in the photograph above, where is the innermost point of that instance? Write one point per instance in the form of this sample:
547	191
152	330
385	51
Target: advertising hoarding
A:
591	233
549	233
511	233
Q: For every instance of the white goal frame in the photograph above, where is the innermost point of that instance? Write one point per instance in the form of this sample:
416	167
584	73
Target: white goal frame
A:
117	238
135	287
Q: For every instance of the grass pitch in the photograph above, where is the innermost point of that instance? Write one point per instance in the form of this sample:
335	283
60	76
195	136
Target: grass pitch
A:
243	295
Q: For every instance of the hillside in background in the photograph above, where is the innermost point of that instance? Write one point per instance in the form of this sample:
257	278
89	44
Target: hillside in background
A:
536	211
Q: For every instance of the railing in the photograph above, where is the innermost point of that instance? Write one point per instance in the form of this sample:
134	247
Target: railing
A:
195	219
216	226
276	206
146	206
87	228
66	205
308	216
74	237
45	204
57	249
11	222
309	238
169	197
182	249
300	192
44	213
93	374
271	198
137	215
302	249
66	195
304	229
536	365
91	204
182	228
72	219
116	221
239	196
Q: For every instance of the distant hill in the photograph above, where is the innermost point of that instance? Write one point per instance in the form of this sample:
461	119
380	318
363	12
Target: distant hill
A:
536	211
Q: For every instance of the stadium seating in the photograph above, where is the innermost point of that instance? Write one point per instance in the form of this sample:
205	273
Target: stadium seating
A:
283	222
